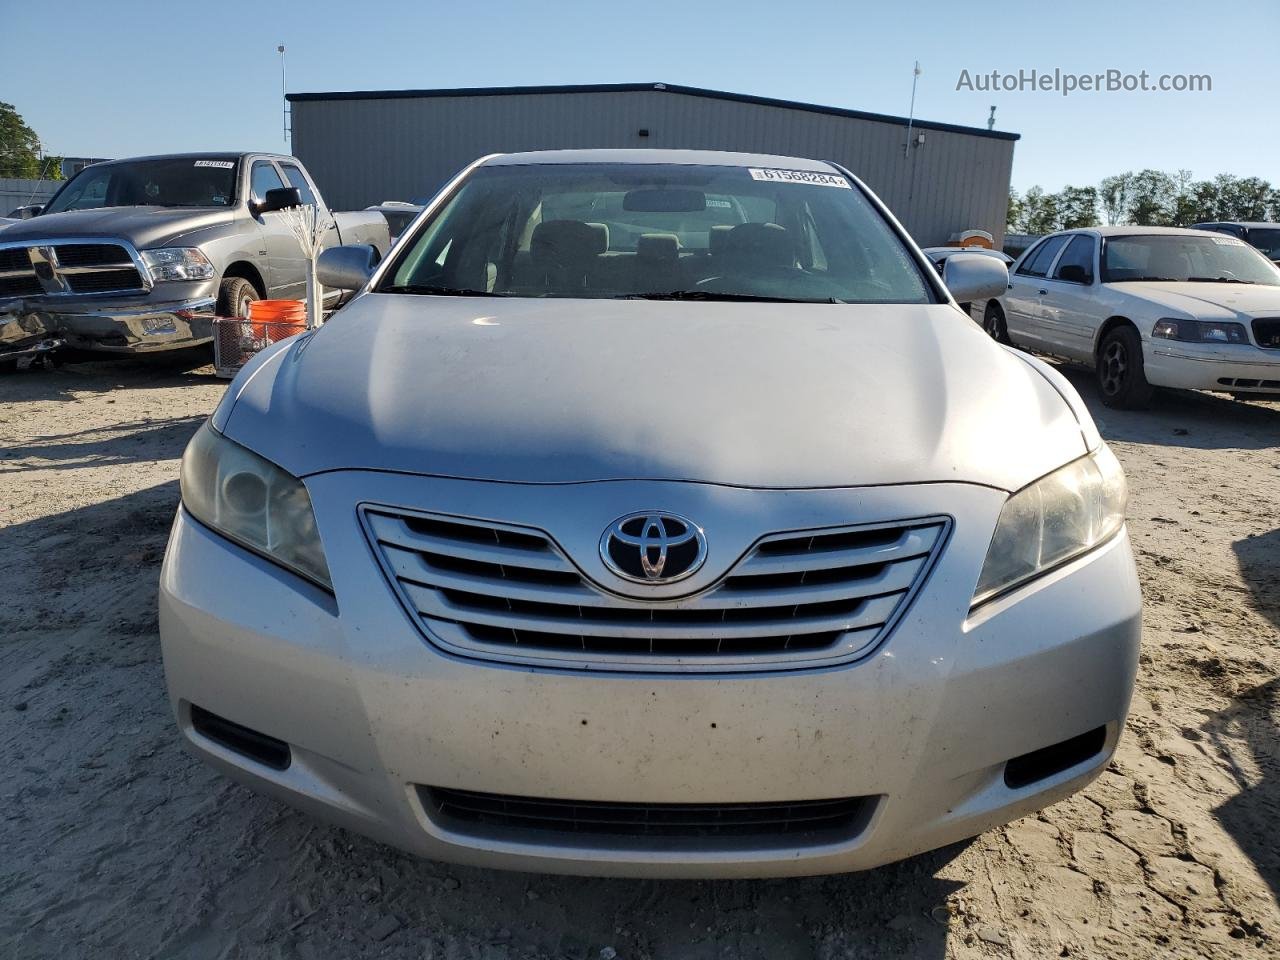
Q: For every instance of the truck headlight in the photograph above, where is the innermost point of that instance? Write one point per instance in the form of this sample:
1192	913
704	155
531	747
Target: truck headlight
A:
1200	331
177	263
253	502
1055	519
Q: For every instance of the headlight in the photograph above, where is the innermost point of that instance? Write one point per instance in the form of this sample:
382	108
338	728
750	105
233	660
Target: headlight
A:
253	502
1058	517
177	263
1200	331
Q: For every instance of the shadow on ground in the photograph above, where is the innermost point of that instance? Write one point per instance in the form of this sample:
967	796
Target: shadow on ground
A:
138	442
1184	418
187	367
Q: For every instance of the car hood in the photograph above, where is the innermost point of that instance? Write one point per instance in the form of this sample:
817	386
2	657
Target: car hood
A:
1214	301
141	226
556	391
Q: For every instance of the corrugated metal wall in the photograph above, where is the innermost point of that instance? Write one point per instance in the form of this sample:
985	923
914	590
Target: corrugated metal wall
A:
18	193
366	151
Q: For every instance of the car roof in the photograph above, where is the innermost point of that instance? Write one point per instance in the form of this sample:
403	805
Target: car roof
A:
1121	231
716	158
1250	224
198	155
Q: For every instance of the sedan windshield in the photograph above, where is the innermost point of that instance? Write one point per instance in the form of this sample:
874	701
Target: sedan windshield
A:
1204	259
168	182
659	231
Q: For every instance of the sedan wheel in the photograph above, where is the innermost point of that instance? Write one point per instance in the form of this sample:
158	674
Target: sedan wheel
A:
1122	380
994	323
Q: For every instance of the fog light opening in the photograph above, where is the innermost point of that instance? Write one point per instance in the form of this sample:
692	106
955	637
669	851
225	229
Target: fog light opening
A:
256	746
1046	762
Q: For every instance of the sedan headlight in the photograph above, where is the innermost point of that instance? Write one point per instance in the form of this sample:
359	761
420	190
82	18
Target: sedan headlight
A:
253	502
177	263
1200	331
1055	519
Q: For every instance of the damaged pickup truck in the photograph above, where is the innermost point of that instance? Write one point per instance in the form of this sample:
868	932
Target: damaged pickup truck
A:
137	256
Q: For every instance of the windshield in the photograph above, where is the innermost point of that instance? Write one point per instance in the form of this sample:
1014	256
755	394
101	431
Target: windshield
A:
1268	241
168	182
603	230
1204	259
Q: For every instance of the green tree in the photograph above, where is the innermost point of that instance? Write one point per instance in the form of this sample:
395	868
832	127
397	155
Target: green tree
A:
1039	212
1113	192
1242	198
1152	198
1014	215
1076	207
20	149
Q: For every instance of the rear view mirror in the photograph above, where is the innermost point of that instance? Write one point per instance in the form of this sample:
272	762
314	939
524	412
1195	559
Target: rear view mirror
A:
348	267
281	198
665	201
974	276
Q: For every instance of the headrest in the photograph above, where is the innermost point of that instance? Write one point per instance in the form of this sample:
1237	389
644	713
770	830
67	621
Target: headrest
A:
716	238
761	244
566	241
658	246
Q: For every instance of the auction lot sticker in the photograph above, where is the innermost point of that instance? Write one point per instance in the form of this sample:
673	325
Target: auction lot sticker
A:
800	176
217	164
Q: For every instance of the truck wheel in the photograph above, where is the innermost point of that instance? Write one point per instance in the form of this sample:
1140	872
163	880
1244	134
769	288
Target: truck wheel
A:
1122	381
234	296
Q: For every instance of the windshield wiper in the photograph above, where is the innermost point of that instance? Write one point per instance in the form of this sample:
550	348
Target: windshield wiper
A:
1147	279
710	295
1217	280
428	290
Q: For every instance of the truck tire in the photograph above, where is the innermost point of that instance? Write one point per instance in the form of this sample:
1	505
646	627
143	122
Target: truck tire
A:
1122	381
234	296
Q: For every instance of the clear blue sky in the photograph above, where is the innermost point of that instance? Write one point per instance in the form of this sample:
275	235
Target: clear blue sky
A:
120	77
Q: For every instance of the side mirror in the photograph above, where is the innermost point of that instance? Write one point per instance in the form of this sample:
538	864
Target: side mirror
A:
1074	273
281	198
974	276
33	211
348	267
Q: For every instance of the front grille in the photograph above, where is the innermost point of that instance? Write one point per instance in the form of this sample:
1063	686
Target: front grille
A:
792	822
511	593
81	268
1267	332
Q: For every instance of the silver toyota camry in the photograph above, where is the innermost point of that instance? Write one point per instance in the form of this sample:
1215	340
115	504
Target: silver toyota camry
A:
653	513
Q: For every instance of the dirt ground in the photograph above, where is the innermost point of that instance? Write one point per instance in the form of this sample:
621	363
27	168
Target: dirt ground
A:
114	843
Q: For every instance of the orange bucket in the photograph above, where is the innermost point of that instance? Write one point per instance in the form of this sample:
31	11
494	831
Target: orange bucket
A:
277	319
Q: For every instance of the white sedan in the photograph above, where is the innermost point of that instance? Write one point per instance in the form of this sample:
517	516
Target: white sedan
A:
1147	307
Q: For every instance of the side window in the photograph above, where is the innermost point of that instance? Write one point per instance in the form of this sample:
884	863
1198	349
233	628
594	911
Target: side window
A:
89	193
1078	255
263	178
1037	265
298	179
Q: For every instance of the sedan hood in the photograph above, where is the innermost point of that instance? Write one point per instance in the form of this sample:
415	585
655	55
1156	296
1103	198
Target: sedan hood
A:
558	391
1209	301
141	226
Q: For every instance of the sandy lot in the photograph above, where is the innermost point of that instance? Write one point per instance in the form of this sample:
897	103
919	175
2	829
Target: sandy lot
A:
116	844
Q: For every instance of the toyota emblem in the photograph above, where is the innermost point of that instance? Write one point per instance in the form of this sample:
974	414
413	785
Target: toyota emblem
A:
653	547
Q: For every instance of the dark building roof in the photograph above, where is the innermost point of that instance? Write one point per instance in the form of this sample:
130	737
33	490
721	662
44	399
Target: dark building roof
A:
638	87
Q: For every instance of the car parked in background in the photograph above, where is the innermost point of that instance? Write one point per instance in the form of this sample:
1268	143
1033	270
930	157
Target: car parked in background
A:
702	537
398	214
136	256
938	257
1264	236
1147	307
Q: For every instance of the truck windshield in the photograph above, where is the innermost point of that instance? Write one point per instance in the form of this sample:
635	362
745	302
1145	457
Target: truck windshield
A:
659	231
166	182
1180	257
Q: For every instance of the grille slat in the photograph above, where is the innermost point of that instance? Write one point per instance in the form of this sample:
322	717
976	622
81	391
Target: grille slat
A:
819	820
82	267
511	592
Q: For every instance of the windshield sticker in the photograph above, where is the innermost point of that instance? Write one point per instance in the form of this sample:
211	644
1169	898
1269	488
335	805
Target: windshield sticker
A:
1227	241
217	164
800	176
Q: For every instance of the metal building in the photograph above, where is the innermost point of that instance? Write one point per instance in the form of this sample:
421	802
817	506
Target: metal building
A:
364	147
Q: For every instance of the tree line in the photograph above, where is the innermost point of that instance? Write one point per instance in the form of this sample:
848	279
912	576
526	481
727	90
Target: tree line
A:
20	154
1149	198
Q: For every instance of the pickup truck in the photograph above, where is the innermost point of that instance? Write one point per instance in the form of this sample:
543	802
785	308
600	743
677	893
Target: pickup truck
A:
137	256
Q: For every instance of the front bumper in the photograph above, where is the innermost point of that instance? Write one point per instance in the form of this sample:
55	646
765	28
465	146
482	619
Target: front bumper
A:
923	725
122	329
1212	367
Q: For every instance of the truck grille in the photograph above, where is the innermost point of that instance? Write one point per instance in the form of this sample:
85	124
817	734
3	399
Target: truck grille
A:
68	268
511	593
1267	332
795	821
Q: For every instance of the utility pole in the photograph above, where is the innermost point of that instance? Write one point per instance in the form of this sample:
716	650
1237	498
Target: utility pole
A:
284	94
991	120
915	76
